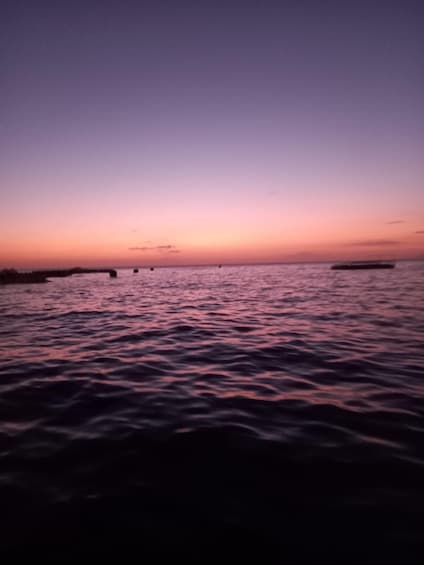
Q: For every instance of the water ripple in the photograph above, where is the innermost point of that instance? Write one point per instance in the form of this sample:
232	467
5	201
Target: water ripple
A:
282	364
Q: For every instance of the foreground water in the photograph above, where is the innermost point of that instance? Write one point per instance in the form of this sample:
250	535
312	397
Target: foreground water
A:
205	412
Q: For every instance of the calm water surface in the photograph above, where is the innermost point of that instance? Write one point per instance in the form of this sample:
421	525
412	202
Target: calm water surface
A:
247	407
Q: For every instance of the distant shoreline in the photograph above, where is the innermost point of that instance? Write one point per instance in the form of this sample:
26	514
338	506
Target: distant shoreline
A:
197	265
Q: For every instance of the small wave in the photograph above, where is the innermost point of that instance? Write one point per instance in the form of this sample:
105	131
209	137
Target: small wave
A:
260	406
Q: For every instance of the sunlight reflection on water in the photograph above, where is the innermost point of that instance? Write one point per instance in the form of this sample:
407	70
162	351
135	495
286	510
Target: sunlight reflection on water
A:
274	334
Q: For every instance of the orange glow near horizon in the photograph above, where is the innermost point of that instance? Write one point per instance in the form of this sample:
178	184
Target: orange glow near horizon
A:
66	222
232	246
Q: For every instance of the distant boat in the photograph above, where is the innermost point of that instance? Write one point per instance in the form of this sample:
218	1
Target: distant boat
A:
359	265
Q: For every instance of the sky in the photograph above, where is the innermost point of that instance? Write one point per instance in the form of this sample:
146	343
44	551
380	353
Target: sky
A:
198	132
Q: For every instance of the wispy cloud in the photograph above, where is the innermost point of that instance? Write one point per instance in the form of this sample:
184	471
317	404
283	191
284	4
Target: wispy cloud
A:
392	222
374	242
420	231
146	248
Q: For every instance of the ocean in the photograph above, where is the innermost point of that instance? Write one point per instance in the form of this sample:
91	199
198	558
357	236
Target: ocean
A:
205	413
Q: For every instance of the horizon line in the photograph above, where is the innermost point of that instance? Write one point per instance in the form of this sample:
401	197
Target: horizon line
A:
216	264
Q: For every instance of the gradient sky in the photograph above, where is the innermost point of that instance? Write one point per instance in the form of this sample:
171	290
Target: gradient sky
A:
181	132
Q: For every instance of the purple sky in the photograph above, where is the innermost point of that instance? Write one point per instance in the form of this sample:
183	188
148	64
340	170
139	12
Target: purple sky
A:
166	119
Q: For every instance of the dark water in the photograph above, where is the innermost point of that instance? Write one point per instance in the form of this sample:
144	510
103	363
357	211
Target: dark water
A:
204	413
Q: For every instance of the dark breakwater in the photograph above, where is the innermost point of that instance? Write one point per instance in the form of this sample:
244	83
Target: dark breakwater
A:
273	412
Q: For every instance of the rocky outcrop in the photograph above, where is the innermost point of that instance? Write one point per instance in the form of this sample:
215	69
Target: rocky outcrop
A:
11	276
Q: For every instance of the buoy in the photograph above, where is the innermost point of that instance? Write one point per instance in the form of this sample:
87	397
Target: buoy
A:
135	270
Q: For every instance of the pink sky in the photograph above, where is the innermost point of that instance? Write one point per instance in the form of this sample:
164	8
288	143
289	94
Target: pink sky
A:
231	225
153	134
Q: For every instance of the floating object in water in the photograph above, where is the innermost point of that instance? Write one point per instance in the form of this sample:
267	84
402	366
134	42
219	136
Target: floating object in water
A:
357	265
152	268
135	270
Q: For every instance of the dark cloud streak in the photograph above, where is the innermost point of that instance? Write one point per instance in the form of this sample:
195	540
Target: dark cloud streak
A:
374	243
144	248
